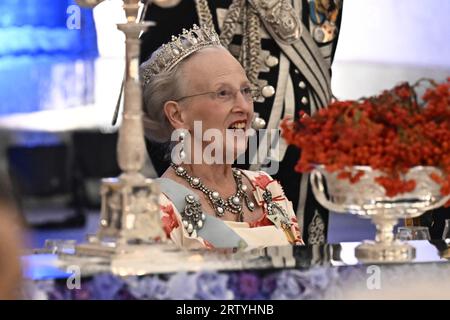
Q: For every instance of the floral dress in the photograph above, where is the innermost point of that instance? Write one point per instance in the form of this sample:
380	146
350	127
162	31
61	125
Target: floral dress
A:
277	226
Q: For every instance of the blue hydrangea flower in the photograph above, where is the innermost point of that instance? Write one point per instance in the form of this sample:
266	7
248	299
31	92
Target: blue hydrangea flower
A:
268	284
212	286
249	285
296	284
105	286
40	290
233	285
84	293
148	287
182	286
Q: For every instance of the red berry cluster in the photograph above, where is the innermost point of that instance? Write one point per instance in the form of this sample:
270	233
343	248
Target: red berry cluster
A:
391	132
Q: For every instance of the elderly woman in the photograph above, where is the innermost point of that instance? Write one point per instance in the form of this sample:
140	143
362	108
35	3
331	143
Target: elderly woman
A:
193	89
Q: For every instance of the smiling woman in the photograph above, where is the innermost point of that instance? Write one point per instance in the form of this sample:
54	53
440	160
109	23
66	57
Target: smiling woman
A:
203	204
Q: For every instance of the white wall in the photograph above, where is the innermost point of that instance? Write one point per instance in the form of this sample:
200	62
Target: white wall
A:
415	32
111	41
383	42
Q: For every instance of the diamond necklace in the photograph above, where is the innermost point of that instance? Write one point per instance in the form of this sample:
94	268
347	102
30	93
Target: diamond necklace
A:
233	204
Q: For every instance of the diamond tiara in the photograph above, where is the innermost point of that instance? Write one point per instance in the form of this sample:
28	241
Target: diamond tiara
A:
172	53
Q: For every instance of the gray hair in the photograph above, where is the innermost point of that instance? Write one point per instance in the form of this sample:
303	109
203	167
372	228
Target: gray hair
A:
157	91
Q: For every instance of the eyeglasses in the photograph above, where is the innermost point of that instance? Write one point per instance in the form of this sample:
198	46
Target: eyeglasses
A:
227	95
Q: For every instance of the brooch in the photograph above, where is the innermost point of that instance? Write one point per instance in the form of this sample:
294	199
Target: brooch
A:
324	15
279	217
192	216
275	212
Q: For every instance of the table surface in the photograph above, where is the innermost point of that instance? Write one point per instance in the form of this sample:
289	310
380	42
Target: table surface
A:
151	259
328	271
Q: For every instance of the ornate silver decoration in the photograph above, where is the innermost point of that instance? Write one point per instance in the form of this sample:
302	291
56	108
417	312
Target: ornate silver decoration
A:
275	210
130	210
233	204
170	54
193	218
279	216
367	199
316	230
281	17
250	51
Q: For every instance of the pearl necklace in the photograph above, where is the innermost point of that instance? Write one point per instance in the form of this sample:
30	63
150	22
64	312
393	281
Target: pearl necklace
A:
233	204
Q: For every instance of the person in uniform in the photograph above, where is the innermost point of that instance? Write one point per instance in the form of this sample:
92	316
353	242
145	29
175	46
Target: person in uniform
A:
287	48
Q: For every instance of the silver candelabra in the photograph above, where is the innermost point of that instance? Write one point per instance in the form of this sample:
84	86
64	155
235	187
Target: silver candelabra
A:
130	202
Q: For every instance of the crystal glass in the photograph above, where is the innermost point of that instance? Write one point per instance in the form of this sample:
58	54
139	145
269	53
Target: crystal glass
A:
413	233
58	246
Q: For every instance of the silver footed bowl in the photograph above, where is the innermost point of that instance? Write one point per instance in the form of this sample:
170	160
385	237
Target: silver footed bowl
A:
368	199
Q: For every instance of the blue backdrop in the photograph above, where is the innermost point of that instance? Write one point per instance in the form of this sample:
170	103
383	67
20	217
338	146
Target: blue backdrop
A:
46	56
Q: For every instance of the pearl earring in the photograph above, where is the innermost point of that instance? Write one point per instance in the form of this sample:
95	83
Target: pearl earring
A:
182	152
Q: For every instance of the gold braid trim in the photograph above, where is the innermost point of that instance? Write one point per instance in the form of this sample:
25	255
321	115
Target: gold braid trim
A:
204	14
238	12
234	14
253	34
242	50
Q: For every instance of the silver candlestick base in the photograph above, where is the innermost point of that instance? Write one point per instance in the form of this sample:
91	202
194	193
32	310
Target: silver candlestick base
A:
367	199
130	212
396	251
130	215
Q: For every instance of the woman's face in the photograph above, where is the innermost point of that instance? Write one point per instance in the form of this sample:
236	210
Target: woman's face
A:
218	96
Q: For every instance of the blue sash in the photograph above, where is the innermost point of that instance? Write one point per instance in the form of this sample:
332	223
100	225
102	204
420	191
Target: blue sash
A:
215	231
